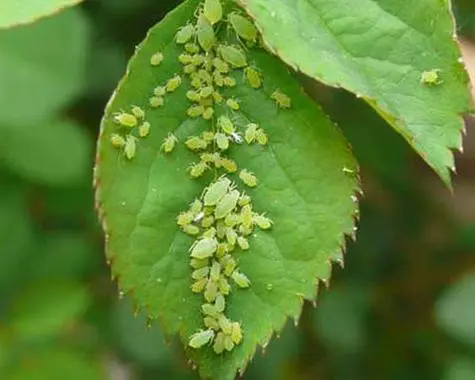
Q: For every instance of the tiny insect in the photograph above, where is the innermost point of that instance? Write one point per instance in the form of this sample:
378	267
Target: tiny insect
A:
218	79
205	32
159	91
229	81
222	141
213	11
217	97
244	200
201	338
156	101
211	291
125	119
261	137
192	48
156	59
211	323
169	143
130	147
208	113
282	100
240	279
243	27
117	141
204	248
184	34
220	303
262	222
188	69
197	59
195	143
144	129
207	222
218	346
193	96
205	76
200	273
222	250
228	343
243	243
199	286
233	55
207	157
226	124
247	218
225	324
223	286
244	230
221	66
431	77
184	218
229	165
251	131
216	191
138	112
233	104
191	230
195	111
206	91
208	136
209	309
210	233
199	263
197	170
229	266
173	83
215	271
231	236
227	204
253	77
184	58
236	334
195	207
248	178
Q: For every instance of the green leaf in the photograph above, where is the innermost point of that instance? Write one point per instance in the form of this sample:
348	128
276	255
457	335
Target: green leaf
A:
461	369
43	67
14	12
303	187
378	50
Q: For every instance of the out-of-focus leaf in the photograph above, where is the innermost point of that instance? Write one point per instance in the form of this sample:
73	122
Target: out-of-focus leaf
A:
16	12
455	310
461	369
55	153
42	67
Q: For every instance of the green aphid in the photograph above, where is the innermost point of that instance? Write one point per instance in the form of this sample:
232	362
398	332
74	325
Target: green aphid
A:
211	323
244	230
246	216
205	33
169	143
222	250
159	91
262	222
234	56
261	137
213	11
229	165
188	69
222	141
206	91
218	79
208	210
196	206
144	129
243	243
226	125
244	200
220	228
205	77
225	324
156	101
196	83
223	286
236	333
243	27
199	286
201	338
215	271
173	83
200	273
208	63
197	170
232	219
251	132
192	48
184	34
218	345
185	58
208	136
233	104
184	218
240	279
207	221
253	77
197	59
282	100
216	191
199	263
130	147
156	58
220	303
231	236
117	141
229	81
431	77
217	97
138	112
195	111
228	343
191	230
208	113
192	95
221	66
248	178
210	233
211	291
195	143
126	119
229	266
207	157
209	309
204	248
227	204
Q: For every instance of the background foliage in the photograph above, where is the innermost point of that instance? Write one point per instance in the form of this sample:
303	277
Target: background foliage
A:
402	309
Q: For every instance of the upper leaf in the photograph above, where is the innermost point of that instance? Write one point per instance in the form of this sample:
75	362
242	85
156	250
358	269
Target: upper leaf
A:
307	180
379	50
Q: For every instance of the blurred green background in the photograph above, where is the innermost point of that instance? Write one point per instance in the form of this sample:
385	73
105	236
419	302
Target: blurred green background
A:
403	307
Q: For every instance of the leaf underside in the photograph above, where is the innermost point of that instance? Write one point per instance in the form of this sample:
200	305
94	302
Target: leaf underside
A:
303	187
378	50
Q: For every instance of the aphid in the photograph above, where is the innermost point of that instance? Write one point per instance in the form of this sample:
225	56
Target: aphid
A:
188	69
223	286
213	11
208	113
431	77
218	345
243	243
169	143
231	236
205	76
200	273
207	222
233	104
217	97
196	83
199	286
201	338
208	136
229	266
244	230
117	141
236	334
184	218
208	63
261	137
196	206
191	230
159	91
218	79
216	191
144	129
156	59
281	99
226	124
184	34
215	271
209	309
197	59
251	131
138	112
130	147
210	233
199	263
243	27
227	204
229	81
205	32
204	248
222	250
125	119
192	48
244	200
233	55
262	222
184	58
220	229
195	111
253	77
207	157
229	165
222	141
156	101
173	83
197	170
248	178
211	323
211	291
220	303
225	324
195	143
193	96
232	219
206	91
240	279
247	217
228	343
221	66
